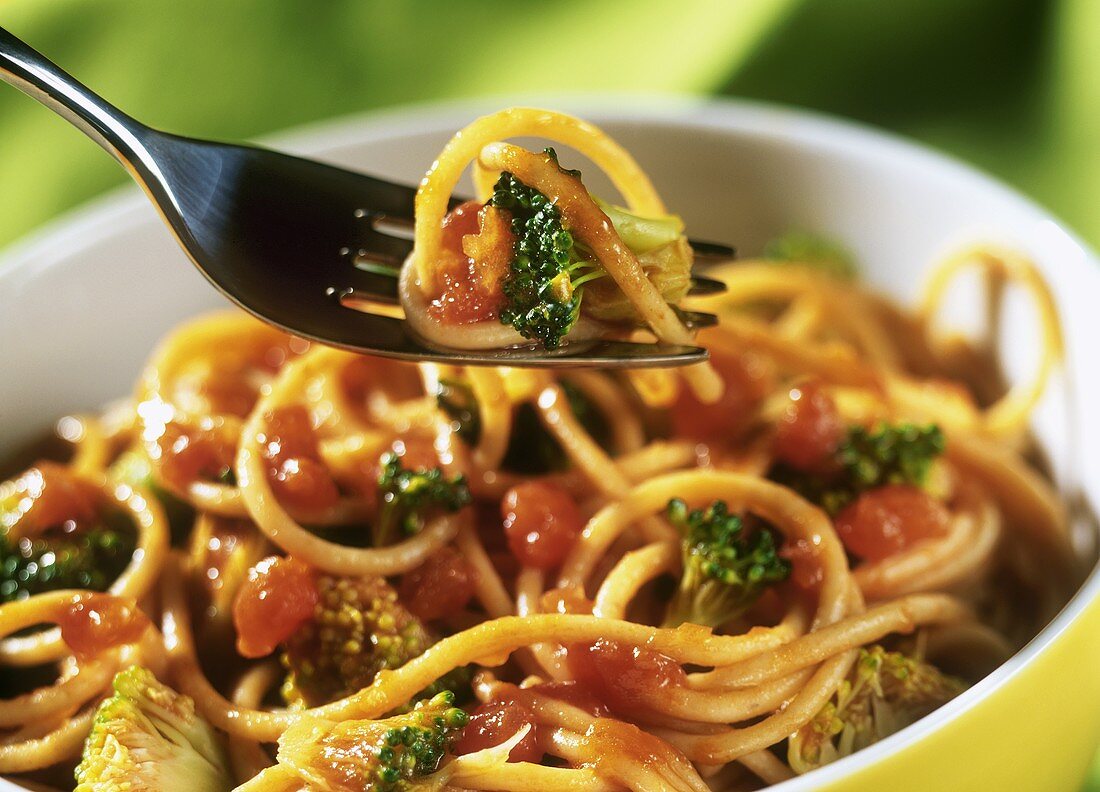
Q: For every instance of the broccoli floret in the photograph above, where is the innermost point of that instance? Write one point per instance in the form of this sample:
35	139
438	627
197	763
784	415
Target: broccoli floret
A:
84	559
890	454
885	692
543	291
409	496
359	629
724	571
800	247
148	737
397	754
867	459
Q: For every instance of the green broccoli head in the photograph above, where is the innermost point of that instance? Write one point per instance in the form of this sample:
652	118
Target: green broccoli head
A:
359	628
148	737
885	692
866	459
550	268
397	754
408	497
724	571
87	558
800	247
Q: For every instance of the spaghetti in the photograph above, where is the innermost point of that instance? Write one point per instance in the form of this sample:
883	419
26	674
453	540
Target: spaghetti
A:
625	582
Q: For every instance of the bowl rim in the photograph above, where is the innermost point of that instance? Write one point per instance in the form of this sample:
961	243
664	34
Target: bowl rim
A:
125	207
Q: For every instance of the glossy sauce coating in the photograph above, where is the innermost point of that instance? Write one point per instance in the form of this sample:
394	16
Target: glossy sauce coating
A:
94	623
279	596
885	521
623	676
495	722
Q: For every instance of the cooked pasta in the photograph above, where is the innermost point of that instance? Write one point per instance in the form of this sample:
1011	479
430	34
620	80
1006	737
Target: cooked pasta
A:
298	568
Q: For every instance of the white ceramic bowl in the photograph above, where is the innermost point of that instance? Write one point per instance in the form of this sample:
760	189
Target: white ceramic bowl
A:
83	301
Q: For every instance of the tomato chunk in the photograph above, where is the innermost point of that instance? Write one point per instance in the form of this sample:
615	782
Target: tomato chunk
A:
193	453
541	522
94	623
295	469
495	722
279	596
810	429
49	495
478	246
806	570
746	379
624	676
887	520
441	586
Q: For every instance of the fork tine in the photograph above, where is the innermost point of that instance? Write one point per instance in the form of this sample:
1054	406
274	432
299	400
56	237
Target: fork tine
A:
701	287
711	252
697	320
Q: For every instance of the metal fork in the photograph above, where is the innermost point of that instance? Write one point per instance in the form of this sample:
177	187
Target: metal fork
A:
294	241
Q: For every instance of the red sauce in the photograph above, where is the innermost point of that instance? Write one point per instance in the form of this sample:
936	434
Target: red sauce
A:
746	378
50	495
566	600
890	519
94	623
193	453
279	596
810	429
441	586
476	255
623	676
806	570
493	723
573	694
295	470
541	522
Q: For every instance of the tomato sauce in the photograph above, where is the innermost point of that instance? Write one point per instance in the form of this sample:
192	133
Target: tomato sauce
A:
476	255
192	453
278	598
810	429
295	469
49	495
806	570
885	521
94	623
541	523
495	722
441	586
623	676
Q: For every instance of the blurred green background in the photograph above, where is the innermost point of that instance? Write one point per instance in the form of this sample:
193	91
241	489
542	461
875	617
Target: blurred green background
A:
1012	86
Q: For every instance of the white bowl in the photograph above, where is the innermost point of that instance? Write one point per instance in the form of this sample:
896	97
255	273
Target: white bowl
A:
83	301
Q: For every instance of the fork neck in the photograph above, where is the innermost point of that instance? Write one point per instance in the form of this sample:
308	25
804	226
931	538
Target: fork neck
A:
35	75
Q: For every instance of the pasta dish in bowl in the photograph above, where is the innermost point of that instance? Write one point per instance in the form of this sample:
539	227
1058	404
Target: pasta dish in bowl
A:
283	566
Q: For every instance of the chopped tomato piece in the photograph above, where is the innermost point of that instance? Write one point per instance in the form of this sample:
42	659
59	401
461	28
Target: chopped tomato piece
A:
441	586
495	722
49	495
279	596
541	521
192	453
885	521
810	429
624	676
295	469
806	570
476	256
95	623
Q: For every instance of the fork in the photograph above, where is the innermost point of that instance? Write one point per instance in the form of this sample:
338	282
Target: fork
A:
297	242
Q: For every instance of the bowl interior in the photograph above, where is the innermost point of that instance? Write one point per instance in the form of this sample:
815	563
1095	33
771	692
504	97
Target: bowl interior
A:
84	301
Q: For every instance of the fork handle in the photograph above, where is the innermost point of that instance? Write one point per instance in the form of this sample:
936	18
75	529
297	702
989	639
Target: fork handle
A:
35	75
